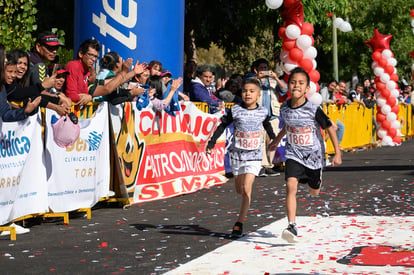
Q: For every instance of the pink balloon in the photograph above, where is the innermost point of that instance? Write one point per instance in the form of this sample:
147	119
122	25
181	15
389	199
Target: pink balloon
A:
295	54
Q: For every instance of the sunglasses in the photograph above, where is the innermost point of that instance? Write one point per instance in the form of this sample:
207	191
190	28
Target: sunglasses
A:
51	48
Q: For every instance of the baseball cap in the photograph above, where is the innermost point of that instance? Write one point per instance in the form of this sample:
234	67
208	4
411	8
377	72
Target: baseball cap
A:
48	38
165	73
60	69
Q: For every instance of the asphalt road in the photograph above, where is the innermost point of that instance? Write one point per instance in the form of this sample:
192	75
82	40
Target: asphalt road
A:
155	237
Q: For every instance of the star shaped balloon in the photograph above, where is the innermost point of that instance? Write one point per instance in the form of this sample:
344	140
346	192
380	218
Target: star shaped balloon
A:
379	41
293	13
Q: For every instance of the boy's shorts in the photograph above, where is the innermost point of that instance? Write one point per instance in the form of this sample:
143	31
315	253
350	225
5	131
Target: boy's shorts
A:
245	166
294	169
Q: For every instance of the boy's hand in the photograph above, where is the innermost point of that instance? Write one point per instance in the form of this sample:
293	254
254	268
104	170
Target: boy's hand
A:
32	105
272	145
336	160
208	151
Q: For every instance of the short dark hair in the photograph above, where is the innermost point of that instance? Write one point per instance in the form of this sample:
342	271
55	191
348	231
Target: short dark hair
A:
109	60
201	69
299	70
89	43
251	80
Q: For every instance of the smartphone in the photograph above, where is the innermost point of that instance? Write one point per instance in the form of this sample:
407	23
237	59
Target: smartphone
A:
55	67
267	73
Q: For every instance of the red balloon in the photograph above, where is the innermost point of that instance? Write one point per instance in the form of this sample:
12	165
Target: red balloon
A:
394	77
288	44
292	12
377	80
381	117
382	62
379	41
314	76
313	40
412	13
307	28
376	56
386	125
380	85
397	139
295	54
391	101
392	132
282	33
389	69
317	87
395	109
385	93
306	64
289	3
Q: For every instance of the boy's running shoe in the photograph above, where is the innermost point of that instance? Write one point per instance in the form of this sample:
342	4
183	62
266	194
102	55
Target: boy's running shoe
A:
290	234
237	230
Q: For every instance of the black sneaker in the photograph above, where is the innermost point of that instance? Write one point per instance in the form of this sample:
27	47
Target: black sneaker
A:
271	173
237	230
290	234
262	172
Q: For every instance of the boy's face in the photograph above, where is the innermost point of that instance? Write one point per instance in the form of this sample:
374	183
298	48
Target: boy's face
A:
250	94
10	73
298	86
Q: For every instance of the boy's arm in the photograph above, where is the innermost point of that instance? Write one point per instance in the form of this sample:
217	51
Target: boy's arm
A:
276	141
337	160
225	121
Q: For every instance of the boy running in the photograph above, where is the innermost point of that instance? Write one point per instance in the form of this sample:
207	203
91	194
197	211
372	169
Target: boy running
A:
245	150
305	151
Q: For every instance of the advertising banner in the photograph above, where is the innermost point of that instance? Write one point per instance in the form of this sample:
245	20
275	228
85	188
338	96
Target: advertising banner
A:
23	188
78	175
163	156
142	30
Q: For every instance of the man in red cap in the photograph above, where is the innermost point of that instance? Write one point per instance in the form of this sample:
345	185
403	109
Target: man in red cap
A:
44	52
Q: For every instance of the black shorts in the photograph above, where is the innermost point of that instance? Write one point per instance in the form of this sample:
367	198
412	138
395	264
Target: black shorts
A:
294	169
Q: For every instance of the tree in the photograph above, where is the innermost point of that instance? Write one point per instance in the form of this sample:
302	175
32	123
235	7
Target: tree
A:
18	21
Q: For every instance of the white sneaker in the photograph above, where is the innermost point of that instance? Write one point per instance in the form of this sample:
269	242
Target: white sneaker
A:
19	230
328	162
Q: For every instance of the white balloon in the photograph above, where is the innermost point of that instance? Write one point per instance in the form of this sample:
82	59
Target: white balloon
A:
284	56
395	93
412	23
381	133
374	65
391	116
338	22
387	140
310	53
386	109
385	77
386	54
378	71
412	67
391	85
315	64
292	31
312	88
396	124
381	102
274	4
316	98
392	61
287	67
345	27
304	42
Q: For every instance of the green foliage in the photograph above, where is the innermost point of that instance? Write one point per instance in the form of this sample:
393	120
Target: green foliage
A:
17	22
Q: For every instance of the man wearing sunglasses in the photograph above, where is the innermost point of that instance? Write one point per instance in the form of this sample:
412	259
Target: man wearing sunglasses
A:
43	53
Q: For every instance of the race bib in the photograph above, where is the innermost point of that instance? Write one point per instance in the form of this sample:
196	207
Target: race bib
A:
247	140
300	136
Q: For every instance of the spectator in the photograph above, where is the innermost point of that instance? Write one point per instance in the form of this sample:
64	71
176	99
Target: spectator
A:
190	68
43	53
80	70
58	87
18	93
159	100
356	95
272	88
230	92
111	65
156	67
142	78
166	77
199	91
327	92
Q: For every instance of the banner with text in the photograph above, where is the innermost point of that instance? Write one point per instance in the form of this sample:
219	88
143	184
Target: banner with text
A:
78	175
163	156
23	188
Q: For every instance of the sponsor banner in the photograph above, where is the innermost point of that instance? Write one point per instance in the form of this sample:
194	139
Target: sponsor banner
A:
78	175
161	155
128	27
23	188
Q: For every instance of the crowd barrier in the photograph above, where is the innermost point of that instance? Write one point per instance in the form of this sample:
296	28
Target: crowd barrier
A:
151	155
